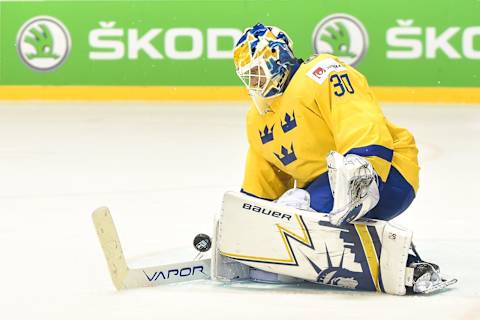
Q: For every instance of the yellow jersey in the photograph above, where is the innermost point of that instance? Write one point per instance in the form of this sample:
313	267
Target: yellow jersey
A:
326	106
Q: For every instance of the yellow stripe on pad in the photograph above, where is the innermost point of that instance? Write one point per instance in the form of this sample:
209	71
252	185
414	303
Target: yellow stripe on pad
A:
370	253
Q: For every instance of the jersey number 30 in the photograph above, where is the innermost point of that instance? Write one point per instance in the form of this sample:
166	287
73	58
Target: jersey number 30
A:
341	84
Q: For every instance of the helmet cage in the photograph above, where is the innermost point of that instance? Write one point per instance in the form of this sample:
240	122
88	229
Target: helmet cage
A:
260	82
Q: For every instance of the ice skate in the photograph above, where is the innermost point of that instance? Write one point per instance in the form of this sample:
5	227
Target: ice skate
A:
426	275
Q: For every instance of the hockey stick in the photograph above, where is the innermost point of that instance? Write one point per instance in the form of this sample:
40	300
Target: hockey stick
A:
124	277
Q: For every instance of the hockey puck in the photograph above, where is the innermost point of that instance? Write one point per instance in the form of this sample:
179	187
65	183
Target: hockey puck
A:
202	242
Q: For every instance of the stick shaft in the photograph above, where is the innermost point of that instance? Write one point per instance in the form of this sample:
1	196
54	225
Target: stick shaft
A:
112	248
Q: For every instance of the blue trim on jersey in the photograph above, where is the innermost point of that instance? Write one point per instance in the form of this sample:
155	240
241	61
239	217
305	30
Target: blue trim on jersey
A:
396	195
252	195
373	150
320	194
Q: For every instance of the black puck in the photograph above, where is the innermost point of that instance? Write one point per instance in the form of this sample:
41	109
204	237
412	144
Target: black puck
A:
202	242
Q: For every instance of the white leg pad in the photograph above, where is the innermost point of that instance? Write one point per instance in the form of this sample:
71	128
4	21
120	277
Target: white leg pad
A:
225	269
367	255
393	261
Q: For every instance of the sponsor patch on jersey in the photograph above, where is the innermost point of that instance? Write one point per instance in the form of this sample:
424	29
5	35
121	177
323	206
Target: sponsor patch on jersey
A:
322	69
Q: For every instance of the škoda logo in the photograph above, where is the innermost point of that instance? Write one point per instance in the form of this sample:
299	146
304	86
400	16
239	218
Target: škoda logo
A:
43	43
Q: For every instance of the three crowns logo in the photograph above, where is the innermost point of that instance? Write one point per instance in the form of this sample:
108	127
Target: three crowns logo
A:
287	156
290	122
267	135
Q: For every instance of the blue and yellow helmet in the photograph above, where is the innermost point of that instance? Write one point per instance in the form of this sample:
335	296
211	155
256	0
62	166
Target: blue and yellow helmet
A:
264	61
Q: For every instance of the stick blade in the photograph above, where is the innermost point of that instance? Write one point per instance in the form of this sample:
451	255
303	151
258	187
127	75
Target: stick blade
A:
112	248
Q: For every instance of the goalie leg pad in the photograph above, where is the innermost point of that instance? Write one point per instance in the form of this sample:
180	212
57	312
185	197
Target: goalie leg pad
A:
393	260
225	269
304	245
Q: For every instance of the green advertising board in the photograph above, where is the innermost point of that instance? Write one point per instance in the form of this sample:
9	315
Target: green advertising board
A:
189	43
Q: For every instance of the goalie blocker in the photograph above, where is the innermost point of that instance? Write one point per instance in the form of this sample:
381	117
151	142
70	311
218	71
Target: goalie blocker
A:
367	255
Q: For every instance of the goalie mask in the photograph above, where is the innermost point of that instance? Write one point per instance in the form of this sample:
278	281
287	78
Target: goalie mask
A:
264	62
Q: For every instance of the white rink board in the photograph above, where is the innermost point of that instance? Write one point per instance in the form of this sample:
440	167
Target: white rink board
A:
162	170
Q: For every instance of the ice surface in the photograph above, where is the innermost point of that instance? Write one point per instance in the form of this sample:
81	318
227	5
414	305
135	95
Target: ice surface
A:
162	170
